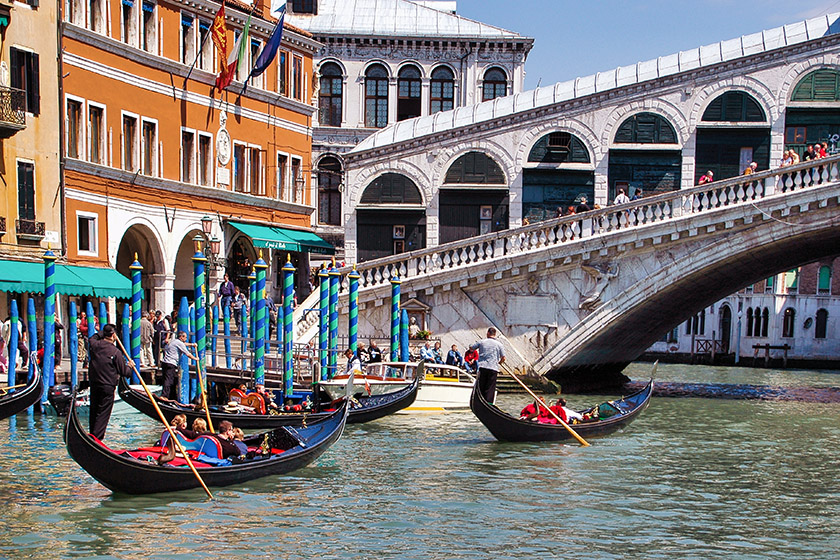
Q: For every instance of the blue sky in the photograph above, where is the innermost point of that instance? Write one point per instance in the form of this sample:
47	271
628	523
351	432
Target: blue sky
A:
580	38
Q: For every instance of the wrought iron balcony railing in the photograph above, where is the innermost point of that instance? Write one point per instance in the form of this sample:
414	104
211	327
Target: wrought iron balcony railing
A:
12	111
30	229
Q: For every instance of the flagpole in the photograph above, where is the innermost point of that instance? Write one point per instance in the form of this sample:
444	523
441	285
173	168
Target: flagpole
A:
254	62
198	54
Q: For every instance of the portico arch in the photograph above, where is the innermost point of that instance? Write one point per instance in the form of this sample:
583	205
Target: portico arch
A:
140	240
390	217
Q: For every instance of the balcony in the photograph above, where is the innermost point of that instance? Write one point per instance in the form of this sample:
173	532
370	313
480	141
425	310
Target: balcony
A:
30	230
12	111
2	226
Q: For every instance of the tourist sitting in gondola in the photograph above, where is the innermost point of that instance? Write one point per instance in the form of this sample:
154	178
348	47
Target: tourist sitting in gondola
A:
569	415
268	400
225	437
239	440
179	422
199	426
531	412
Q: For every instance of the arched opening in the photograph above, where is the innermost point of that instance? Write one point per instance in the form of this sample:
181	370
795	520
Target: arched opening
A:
139	240
390	218
376	97
821	326
733	133
765	321
241	259
184	284
329	191
749	321
637	165
473	198
442	93
495	84
725	327
553	181
813	114
788	323
408	93
330	95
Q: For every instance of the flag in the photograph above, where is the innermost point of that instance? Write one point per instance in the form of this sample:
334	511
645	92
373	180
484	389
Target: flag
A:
235	56
270	50
219	33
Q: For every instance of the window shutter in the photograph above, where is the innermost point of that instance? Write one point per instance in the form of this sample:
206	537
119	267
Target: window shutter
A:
34	93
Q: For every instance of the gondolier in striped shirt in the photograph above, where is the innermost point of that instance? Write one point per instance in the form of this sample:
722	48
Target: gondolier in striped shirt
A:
491	356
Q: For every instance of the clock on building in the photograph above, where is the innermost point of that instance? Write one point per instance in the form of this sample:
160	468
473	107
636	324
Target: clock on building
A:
223	146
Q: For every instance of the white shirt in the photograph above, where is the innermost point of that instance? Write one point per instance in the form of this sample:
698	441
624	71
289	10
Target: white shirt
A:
621	199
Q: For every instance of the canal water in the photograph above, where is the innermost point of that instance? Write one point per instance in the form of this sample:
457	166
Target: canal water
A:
691	478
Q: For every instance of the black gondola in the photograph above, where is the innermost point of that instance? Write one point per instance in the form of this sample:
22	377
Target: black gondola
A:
505	427
139	471
362	409
23	398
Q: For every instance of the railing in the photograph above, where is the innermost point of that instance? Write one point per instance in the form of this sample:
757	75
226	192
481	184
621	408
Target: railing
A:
30	229
12	107
558	231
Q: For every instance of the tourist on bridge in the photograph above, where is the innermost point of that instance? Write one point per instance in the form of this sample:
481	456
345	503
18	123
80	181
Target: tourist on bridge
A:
621	197
809	153
707	177
582	206
751	168
638	194
226	292
107	365
491	356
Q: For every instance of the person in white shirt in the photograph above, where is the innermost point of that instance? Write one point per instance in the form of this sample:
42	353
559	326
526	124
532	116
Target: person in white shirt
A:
622	197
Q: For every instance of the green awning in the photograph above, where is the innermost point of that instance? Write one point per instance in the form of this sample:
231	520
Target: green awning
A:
271	237
28	277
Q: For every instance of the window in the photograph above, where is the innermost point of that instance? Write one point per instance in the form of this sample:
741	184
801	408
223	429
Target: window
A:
149	148
408	93
376	97
188	38
256	81
495	84
792	281
559	147
765	320
282	73
96	15
442	96
75	130
391	188
255	171
330	95
697	324
297	180
646	128
297	78
96	131
128	25
130	142
187	156
74	12
149	31
305	6
749	321
820	85
239	164
329	191
824	281
25	76
734	106
769	285
205	159
821	323
788	323
757	320
475	168
205	46
86	233
282	176
26	194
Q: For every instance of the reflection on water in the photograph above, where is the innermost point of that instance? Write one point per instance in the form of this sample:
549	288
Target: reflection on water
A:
691	478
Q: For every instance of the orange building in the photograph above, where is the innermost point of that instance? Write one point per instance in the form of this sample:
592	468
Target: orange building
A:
152	147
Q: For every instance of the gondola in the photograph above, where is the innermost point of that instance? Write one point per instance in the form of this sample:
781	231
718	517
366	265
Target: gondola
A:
141	472
362	409
23	398
505	427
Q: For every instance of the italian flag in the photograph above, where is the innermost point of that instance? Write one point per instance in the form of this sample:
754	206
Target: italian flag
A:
235	57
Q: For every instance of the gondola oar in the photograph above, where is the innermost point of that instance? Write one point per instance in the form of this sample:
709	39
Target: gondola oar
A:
201	382
582	441
169	429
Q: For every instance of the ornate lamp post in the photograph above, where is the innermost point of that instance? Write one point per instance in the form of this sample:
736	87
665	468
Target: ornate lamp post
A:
209	245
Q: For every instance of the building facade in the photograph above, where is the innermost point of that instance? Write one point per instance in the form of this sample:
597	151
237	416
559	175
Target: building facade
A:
152	146
372	71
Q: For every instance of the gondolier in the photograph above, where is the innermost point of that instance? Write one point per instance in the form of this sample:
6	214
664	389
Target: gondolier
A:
107	365
491	356
169	363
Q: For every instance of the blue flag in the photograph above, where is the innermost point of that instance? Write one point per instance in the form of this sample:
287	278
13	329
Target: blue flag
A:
270	50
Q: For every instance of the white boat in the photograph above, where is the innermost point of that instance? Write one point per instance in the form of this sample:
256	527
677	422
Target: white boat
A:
442	388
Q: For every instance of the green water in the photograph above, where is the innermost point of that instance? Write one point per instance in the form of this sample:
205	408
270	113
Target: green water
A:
691	478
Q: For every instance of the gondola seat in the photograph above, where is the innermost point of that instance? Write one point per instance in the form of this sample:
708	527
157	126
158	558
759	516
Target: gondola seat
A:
203	445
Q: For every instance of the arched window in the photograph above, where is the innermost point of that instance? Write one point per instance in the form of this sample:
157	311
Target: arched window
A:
329	191
442	97
734	106
475	168
392	188
408	93
765	320
822	323
820	85
495	84
559	147
646	128
824	280
788	323
757	321
330	95
697	324
376	97
749	321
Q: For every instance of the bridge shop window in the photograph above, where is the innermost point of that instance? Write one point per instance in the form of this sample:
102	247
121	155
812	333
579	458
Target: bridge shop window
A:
821	323
442	94
390	217
812	115
788	322
475	168
330	95
559	147
820	85
408	93
646	128
734	106
473	199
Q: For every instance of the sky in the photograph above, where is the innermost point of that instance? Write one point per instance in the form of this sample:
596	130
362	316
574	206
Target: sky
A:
573	38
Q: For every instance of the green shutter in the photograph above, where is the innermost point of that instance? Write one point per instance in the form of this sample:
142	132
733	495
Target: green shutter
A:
824	283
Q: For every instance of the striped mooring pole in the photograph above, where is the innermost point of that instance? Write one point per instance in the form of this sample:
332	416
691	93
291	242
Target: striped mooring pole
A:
49	323
353	327
395	318
136	298
288	334
261	322
323	320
